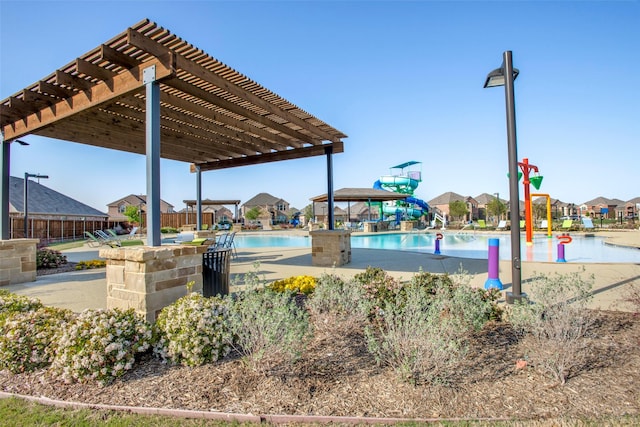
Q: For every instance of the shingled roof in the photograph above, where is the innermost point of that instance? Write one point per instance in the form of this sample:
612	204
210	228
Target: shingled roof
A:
45	201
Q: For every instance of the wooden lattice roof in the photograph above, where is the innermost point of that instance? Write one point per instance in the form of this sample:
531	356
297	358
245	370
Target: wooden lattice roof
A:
211	115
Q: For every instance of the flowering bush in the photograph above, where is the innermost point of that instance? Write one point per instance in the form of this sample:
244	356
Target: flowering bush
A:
299	284
48	258
100	345
95	263
12	303
193	331
27	338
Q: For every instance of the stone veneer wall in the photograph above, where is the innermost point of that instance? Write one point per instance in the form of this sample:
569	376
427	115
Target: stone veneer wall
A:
17	261
330	248
407	225
149	278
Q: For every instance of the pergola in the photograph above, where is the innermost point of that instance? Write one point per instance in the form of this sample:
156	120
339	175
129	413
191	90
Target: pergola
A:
358	195
149	92
208	202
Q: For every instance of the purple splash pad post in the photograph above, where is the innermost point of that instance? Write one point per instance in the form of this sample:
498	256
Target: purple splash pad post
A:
494	266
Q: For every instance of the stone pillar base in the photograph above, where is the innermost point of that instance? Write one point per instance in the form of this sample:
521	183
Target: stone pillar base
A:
407	225
18	261
370	227
330	248
148	278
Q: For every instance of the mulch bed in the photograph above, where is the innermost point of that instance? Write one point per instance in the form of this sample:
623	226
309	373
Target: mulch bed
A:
64	268
338	376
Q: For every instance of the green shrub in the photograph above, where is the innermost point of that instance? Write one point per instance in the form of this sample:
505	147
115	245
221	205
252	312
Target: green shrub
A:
555	321
169	230
379	287
48	258
268	326
100	345
334	295
433	283
12	303
193	331
423	336
27	338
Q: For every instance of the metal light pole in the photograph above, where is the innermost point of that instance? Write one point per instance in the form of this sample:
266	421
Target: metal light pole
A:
505	75
26	199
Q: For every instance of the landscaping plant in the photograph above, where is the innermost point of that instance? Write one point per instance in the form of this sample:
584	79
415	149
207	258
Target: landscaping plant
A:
268	326
12	303
193	331
27	338
555	321
100	345
423	335
49	258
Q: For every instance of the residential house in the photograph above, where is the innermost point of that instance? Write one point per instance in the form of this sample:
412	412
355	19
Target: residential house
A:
601	207
441	203
116	209
276	207
484	200
631	208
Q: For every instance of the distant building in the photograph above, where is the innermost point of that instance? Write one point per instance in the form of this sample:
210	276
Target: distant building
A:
117	208
277	208
441	203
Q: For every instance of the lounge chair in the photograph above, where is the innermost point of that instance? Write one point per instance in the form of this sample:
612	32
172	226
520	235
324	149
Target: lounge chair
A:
587	223
567	224
523	224
107	239
92	240
132	233
230	244
481	224
502	225
544	224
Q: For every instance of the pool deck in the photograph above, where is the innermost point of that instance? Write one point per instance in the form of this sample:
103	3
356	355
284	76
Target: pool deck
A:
79	290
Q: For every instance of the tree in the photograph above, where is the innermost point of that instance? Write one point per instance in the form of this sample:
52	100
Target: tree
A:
539	210
308	212
458	209
132	212
253	213
496	208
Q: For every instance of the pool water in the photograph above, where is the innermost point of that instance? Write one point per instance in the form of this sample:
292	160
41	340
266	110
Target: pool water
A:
465	245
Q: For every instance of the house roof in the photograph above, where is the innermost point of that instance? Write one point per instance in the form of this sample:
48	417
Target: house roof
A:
136	199
211	115
43	200
604	201
262	199
446	198
209	202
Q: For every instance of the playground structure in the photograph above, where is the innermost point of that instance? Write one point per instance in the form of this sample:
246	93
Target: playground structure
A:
535	180
404	182
549	221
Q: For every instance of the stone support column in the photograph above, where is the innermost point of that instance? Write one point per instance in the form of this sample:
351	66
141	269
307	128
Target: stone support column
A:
17	261
330	248
148	278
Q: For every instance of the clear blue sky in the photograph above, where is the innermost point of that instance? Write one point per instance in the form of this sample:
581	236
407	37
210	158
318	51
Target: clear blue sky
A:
402	79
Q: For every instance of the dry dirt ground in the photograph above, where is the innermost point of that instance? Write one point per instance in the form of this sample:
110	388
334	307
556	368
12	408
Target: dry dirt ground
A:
337	376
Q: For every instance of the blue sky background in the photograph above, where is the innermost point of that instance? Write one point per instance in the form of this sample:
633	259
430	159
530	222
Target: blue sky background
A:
402	79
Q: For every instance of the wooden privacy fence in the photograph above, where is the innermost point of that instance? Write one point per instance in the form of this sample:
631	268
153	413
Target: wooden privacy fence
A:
55	230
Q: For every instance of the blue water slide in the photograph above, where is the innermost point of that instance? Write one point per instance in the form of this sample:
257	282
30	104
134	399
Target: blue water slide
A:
418	202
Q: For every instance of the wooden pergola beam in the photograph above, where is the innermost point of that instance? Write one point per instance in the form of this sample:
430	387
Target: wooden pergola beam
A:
314	150
119	85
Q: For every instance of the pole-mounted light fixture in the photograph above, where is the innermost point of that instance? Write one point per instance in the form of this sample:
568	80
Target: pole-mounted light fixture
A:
504	76
26	199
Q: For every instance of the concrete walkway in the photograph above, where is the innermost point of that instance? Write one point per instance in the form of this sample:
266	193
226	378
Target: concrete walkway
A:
87	289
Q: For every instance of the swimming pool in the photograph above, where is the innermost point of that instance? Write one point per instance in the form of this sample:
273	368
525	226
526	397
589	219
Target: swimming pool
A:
464	245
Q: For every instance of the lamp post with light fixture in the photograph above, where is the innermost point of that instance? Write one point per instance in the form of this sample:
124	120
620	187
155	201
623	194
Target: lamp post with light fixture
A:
505	76
26	199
